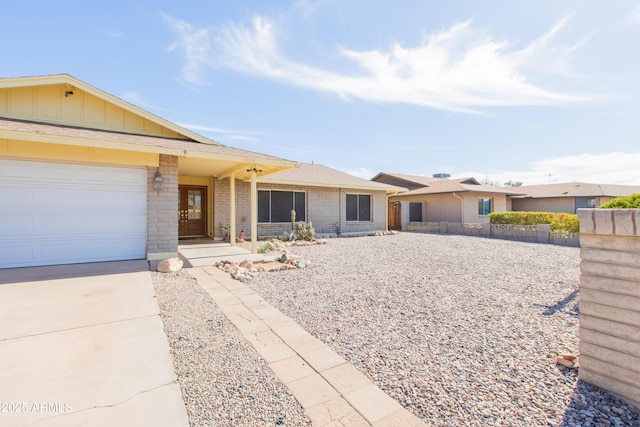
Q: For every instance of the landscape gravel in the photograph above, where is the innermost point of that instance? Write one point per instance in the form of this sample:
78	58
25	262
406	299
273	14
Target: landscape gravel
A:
224	381
460	330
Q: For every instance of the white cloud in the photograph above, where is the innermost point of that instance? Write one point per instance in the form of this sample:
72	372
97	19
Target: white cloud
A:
363	173
115	34
230	133
195	44
307	7
604	168
635	15
457	69
133	97
138	100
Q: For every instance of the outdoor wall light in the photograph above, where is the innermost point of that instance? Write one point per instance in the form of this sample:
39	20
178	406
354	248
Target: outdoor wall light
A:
67	93
157	181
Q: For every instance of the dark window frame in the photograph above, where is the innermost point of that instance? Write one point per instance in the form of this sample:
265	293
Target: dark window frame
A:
412	211
270	214
482	206
361	211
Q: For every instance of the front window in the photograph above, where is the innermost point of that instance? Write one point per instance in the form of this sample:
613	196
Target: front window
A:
484	206
358	207
276	206
415	212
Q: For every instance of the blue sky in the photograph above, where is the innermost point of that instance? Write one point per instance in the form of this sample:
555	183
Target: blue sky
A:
538	92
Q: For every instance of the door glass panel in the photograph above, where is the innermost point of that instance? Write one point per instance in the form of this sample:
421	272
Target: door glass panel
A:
195	204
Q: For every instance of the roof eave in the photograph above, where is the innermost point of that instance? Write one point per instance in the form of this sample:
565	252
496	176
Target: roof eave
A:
324	185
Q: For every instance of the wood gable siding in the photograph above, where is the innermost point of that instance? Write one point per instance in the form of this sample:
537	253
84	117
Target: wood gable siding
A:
53	104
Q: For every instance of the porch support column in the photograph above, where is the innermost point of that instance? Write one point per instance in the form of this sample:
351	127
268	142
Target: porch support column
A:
254	212
232	208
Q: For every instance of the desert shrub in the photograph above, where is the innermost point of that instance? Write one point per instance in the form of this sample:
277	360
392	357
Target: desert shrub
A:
558	221
286	236
628	202
565	222
305	230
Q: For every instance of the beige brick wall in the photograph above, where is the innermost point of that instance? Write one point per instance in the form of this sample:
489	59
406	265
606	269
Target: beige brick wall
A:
325	208
610	300
162	210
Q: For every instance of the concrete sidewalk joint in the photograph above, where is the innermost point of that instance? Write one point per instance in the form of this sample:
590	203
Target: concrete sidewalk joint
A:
332	391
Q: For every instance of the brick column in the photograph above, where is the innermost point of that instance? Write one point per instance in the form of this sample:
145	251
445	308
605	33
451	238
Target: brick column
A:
610	300
162	210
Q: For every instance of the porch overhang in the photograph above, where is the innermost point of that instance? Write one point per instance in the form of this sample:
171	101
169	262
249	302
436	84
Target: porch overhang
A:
195	158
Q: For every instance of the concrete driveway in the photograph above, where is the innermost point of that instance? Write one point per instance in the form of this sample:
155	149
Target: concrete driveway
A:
84	345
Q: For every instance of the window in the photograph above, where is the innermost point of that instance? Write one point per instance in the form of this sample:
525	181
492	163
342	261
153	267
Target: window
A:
415	212
484	206
591	203
276	206
358	207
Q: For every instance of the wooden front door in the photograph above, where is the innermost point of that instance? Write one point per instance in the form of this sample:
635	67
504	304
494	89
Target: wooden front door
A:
192	211
395	218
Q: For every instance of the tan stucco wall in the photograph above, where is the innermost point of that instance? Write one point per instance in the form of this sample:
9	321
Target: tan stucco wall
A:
498	204
49	104
438	208
448	208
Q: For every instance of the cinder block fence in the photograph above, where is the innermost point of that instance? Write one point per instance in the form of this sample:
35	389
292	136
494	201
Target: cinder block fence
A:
610	300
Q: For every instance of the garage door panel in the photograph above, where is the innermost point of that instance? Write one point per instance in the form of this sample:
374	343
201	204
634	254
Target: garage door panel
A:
54	252
16	196
55	172
17	170
54	198
17	254
16	226
68	213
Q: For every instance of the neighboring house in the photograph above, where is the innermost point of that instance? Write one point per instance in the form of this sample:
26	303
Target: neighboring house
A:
462	200
568	197
331	200
85	176
410	182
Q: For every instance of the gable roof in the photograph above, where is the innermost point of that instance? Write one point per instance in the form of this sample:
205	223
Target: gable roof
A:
315	175
66	79
198	154
577	189
459	186
421	180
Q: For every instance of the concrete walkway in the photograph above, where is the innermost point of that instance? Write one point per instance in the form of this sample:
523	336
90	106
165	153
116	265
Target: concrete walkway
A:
331	390
84	345
203	252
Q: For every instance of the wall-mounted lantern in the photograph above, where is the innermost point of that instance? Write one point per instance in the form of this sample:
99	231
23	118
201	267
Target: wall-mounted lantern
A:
157	181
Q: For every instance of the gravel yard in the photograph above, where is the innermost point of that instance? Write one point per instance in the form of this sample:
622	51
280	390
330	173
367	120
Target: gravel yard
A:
224	381
460	330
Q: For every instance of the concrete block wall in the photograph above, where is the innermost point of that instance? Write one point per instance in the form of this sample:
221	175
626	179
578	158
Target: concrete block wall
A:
610	300
162	210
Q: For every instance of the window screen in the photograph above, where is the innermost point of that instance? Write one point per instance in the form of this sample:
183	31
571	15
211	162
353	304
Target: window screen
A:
276	206
415	212
358	207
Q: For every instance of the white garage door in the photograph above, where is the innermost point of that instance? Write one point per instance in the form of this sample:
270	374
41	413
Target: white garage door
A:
59	213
